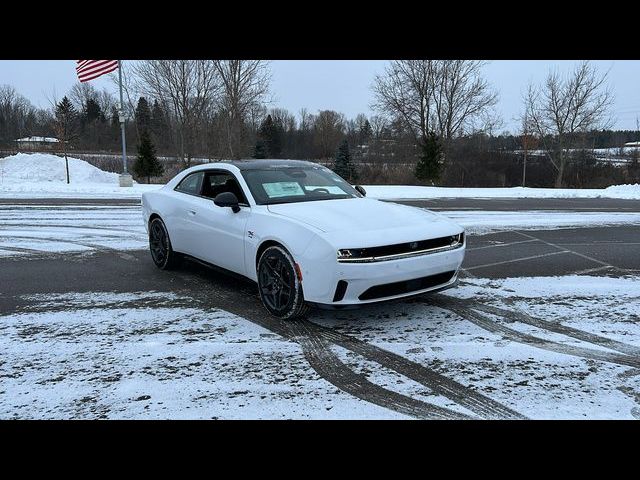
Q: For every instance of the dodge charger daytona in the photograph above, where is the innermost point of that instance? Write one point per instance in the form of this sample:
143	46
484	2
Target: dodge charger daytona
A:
304	234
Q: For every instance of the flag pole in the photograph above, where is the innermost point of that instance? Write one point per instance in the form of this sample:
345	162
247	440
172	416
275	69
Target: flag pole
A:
125	178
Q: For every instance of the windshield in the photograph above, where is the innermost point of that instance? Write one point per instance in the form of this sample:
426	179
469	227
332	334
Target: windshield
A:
296	184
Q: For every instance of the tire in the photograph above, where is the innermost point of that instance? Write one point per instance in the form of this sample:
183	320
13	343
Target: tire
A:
278	284
160	246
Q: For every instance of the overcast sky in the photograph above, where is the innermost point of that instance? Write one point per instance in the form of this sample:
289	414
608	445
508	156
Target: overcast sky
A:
344	85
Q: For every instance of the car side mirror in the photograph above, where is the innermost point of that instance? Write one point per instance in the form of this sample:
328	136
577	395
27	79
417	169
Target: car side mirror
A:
362	191
227	199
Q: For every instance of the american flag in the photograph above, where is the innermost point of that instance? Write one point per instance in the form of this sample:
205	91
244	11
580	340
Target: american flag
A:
90	69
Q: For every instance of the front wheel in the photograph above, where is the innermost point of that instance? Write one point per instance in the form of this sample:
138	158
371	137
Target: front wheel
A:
278	284
160	245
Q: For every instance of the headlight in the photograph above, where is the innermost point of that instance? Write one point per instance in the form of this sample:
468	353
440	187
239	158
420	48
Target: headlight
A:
457	239
344	254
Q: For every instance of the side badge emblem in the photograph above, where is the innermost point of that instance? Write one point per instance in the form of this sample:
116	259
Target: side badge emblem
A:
250	234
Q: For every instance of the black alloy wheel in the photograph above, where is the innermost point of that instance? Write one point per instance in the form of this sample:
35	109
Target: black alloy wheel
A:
160	245
278	283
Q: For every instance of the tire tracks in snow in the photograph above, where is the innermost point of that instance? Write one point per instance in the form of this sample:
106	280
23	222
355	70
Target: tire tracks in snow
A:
90	245
589	337
469	311
317	350
316	340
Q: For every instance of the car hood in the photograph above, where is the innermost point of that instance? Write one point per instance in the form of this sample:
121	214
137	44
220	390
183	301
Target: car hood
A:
365	215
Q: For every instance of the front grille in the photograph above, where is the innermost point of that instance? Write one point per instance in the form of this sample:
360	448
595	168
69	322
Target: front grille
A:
406	286
400	250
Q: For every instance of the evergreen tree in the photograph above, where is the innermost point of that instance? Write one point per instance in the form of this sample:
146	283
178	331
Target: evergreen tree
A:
260	151
343	165
429	165
93	111
143	114
147	163
157	117
65	126
271	136
365	132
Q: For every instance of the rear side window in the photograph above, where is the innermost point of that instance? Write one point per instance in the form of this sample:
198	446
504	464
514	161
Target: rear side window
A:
191	183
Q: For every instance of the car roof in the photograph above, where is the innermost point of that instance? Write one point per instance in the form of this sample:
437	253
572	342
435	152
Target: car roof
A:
261	164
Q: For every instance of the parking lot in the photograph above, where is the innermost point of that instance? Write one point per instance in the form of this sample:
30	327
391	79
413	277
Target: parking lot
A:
544	324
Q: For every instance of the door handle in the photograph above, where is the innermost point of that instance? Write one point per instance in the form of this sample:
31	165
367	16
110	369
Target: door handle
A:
191	212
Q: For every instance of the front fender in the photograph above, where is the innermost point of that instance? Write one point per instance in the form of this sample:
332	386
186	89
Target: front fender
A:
290	234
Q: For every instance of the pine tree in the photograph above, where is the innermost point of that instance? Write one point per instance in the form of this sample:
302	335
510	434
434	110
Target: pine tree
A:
93	111
260	151
143	114
430	161
365	132
147	163
271	137
66	126
343	165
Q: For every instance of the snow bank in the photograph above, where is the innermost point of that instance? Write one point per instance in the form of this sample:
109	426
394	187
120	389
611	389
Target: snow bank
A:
43	175
45	167
414	192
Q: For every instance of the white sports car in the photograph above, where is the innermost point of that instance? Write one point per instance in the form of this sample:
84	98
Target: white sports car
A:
305	235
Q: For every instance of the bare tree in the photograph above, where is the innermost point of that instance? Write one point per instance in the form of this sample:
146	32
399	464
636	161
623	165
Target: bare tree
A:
188	87
329	129
441	96
80	93
564	106
245	84
378	125
15	114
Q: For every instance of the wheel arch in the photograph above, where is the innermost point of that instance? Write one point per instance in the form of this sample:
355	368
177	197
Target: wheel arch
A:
266	244
152	217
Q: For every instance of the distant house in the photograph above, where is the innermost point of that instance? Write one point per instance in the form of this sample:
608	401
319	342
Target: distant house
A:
632	144
31	144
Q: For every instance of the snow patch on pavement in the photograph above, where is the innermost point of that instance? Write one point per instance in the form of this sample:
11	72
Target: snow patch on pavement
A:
60	229
538	383
69	357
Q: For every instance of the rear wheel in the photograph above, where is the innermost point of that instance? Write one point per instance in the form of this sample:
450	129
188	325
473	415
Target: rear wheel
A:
278	284
160	245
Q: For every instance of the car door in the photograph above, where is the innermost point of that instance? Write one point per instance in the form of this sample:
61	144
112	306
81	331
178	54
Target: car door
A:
221	232
182	229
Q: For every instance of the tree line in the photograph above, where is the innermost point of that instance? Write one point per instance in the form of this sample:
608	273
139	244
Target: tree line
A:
434	121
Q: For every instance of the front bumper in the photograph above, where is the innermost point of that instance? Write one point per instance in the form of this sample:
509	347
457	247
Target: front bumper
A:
321	283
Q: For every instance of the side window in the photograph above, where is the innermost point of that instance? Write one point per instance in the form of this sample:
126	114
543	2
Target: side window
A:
191	183
219	182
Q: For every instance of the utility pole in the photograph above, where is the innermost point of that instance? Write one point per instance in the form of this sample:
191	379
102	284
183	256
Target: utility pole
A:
125	179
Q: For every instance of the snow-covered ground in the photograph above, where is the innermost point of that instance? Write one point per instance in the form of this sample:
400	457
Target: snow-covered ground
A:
43	176
480	222
163	355
544	347
96	356
38	229
33	229
398	192
522	363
